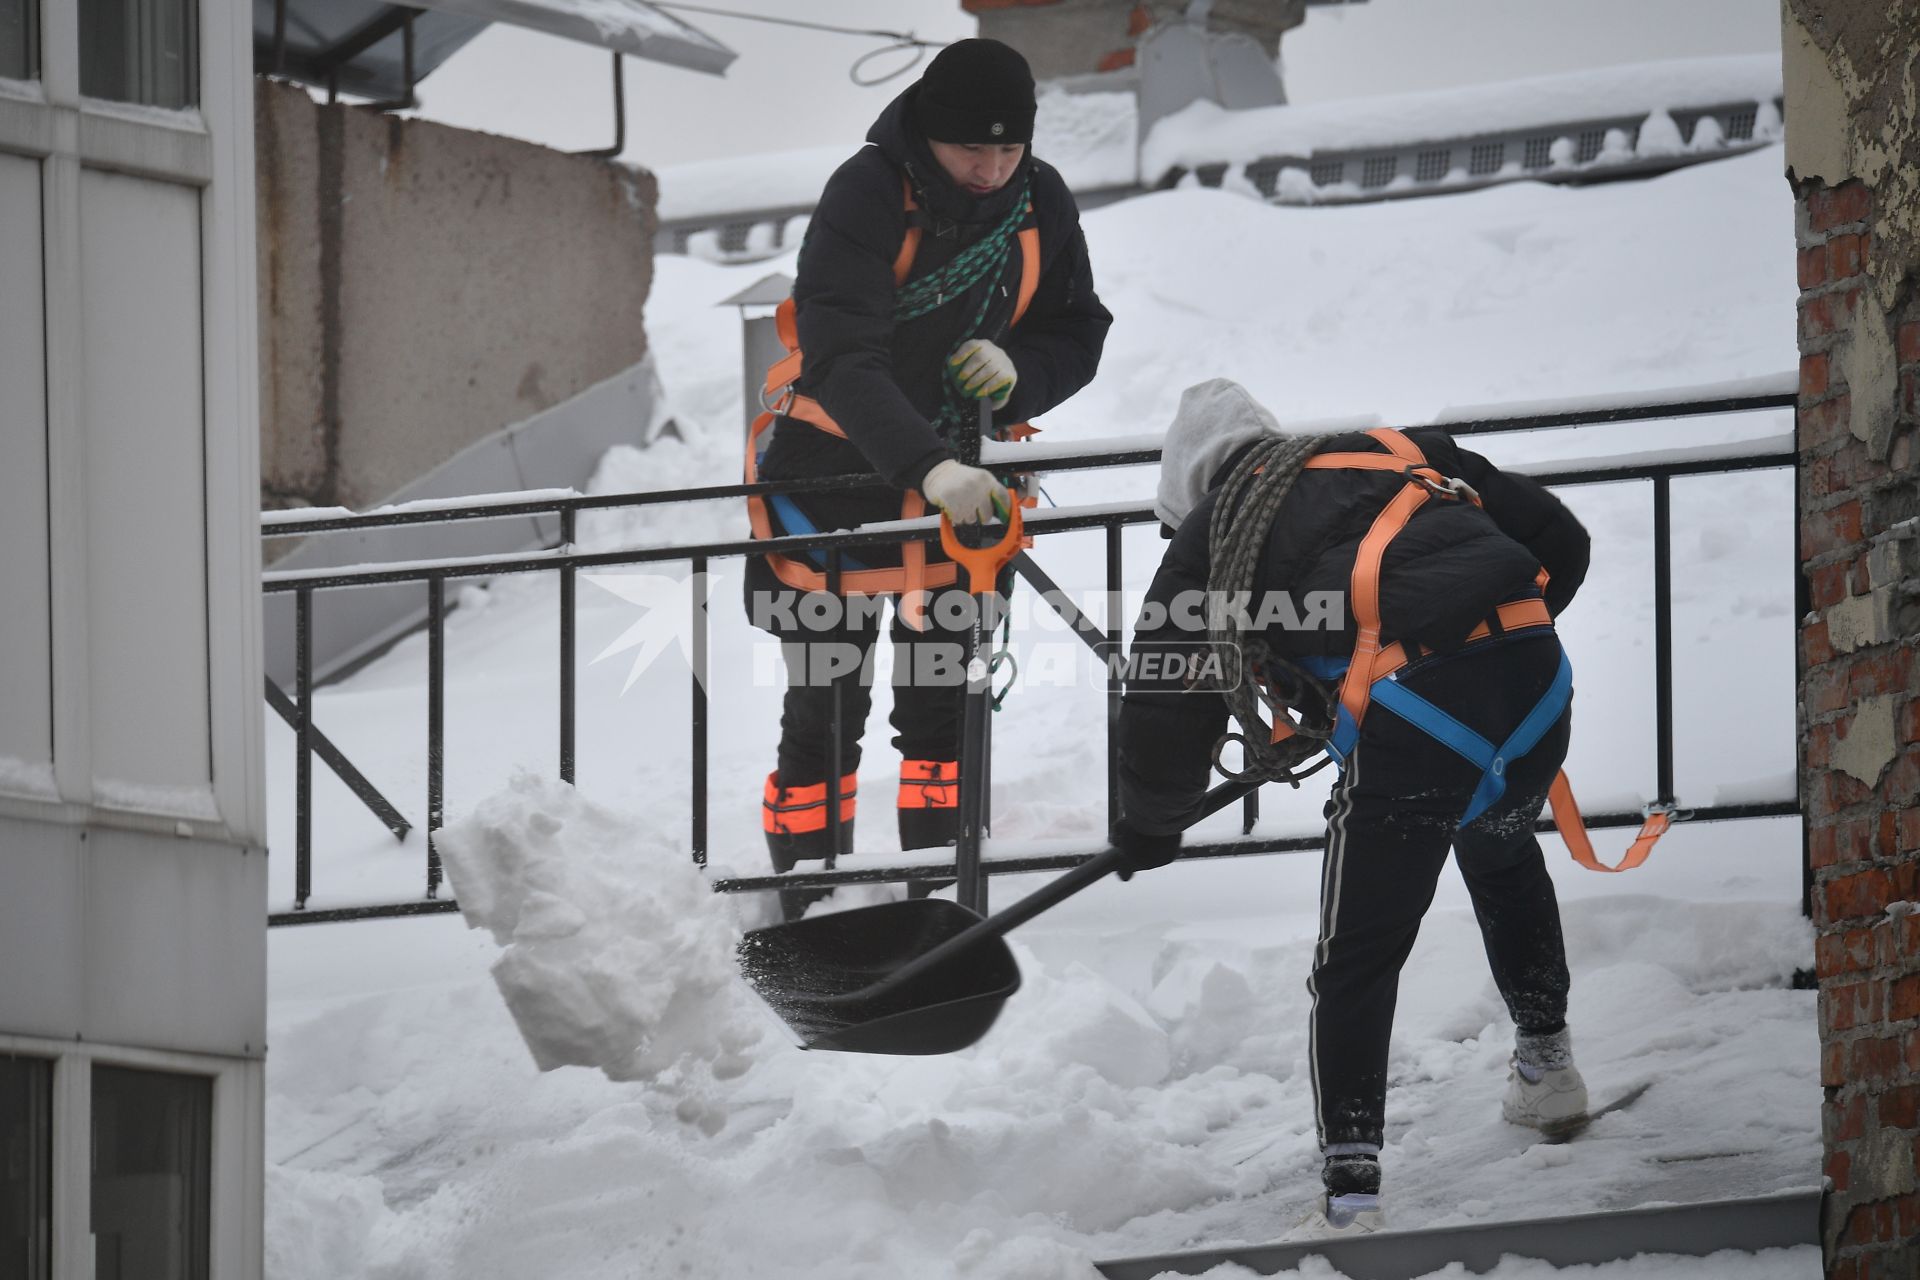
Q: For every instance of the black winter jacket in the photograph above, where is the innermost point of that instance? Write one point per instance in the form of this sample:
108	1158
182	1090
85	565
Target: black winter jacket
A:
882	381
1441	576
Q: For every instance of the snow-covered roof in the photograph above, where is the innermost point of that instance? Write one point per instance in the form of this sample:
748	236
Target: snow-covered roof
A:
625	26
1092	137
1204	133
1089	137
371	49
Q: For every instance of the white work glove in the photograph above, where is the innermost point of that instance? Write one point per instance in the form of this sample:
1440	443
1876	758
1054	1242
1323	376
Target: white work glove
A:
984	371
969	495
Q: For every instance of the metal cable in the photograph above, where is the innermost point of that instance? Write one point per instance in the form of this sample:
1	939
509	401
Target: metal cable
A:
901	40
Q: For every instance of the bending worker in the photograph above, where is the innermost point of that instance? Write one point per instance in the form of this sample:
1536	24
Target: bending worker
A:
1427	553
944	264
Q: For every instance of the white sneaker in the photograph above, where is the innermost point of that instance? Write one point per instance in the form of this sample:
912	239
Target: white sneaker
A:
1553	1104
1347	1216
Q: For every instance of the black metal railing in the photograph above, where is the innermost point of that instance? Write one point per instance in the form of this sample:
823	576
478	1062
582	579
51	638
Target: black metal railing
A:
1658	469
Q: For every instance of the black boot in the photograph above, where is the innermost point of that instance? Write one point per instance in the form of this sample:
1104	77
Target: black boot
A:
928	829
787	851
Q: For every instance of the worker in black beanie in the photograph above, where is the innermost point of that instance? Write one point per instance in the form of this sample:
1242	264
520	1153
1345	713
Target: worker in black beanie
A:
943	265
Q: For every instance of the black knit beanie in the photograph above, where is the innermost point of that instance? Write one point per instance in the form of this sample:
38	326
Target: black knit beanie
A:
976	91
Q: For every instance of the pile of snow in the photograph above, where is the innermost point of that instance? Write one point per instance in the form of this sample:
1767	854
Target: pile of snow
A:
617	955
1203	133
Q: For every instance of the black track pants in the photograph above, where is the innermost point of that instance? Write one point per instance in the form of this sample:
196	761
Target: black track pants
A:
1393	815
928	680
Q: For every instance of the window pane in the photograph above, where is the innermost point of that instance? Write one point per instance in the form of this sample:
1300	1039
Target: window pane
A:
26	1152
140	51
19	41
152	1133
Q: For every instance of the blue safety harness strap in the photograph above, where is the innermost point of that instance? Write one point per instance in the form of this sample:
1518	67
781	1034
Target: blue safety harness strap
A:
1491	760
794	521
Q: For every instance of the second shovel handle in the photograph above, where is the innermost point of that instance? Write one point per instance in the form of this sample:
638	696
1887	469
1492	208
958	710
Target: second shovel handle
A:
1050	894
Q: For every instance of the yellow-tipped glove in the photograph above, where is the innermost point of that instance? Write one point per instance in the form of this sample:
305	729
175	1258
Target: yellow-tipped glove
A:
984	371
969	495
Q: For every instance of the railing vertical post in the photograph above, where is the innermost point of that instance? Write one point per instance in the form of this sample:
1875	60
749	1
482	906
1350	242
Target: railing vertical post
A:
569	580
1114	687
834	725
436	722
1663	636
303	747
699	724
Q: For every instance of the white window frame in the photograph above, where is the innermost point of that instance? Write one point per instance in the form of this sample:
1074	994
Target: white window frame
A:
236	1211
209	148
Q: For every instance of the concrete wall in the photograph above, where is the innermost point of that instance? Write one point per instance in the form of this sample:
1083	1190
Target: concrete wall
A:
423	287
1079	37
1853	156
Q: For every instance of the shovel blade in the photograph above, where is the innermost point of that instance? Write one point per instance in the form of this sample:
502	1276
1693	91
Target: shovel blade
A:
819	975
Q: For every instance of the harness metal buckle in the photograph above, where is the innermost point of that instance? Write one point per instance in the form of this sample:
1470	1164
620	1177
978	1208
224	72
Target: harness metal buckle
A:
1446	486
781	404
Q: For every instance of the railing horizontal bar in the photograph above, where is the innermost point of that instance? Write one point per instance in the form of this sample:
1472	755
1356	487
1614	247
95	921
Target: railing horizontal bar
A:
1601	416
375	911
291	524
1655	471
1214	849
295	524
1060	520
924	530
1014	865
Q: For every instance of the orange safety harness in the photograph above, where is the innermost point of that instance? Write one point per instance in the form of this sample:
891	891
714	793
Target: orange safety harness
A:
913	576
1371	673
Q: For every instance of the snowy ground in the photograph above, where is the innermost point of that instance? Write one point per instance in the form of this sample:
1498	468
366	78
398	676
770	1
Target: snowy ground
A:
1146	1090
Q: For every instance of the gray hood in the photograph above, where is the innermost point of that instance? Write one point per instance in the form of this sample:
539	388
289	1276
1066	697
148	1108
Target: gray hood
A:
1215	418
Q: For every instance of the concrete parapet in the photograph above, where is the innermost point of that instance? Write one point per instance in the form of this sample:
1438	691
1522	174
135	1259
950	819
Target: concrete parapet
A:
424	287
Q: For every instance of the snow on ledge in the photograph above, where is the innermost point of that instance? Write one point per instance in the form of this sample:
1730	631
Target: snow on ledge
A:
188	800
30	778
1785	382
1089	137
1203	133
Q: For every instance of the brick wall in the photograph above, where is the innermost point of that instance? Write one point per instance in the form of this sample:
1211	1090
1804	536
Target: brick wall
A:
1860	720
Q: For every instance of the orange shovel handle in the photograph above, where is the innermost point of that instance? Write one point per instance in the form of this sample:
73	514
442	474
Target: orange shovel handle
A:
983	564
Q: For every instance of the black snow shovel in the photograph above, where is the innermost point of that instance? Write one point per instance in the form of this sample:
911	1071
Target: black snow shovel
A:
918	977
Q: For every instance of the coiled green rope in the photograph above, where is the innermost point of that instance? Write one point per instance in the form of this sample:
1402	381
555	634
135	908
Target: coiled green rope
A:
984	259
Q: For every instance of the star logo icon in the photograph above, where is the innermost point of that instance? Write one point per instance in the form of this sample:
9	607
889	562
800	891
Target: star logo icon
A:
672	610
